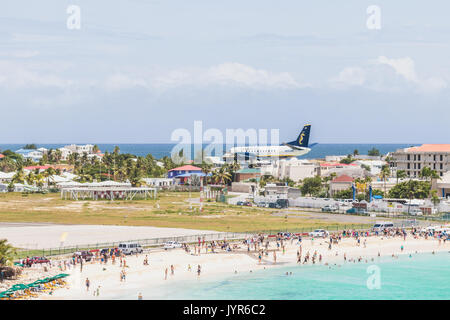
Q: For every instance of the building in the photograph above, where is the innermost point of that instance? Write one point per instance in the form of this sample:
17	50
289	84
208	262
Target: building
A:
443	185
1	156
281	192
341	183
414	159
65	153
375	166
246	174
354	170
293	169
160	182
32	154
184	173
6	177
80	149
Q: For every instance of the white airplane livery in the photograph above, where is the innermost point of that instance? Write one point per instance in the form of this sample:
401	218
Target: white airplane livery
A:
298	147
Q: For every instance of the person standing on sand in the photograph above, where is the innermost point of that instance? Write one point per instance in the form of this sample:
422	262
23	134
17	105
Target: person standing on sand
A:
166	271
172	270
140	296
274	257
88	283
199	270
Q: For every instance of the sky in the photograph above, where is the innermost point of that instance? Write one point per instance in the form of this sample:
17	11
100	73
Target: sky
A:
137	70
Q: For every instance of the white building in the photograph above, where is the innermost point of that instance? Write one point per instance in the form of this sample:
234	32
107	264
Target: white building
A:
293	169
374	165
65	153
81	149
160	182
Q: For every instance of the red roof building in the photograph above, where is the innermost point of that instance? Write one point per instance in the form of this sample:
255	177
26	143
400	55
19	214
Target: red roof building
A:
430	148
186	168
344	178
341	183
1	156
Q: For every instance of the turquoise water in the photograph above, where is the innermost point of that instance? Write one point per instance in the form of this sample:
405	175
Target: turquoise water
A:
423	276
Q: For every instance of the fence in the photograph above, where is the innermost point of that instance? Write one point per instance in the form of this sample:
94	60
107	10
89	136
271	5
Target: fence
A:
158	242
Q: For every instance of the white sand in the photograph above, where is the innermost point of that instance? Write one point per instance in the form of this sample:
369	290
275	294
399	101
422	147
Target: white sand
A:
42	236
140	277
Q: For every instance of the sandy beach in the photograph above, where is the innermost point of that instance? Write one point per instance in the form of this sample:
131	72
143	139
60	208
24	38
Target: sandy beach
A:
222	264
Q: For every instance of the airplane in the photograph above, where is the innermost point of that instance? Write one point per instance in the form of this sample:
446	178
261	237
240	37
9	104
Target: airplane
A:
298	147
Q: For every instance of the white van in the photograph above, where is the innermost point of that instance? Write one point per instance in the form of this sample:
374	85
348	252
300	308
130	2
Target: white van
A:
130	248
380	226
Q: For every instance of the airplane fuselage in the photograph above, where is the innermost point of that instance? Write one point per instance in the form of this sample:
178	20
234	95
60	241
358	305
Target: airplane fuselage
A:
283	151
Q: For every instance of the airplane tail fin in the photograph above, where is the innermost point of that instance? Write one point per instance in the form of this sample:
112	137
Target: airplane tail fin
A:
303	138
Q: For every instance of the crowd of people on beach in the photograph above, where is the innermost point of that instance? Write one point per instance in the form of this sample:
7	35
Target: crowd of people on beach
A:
264	248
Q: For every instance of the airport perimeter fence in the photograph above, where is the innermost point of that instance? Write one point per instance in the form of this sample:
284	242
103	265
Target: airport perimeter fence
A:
192	239
445	218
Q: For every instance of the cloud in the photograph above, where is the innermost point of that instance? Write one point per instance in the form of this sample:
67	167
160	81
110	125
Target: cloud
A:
15	75
229	74
402	66
351	76
387	75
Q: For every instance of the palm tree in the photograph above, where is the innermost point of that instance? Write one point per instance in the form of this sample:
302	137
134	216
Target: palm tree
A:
7	253
401	174
384	175
30	178
39	180
48	173
19	177
221	176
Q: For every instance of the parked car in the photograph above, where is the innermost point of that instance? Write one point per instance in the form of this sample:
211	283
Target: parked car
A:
319	233
283	203
380	226
262	204
39	260
172	245
329	208
357	211
85	255
130	248
416	212
240	203
247	204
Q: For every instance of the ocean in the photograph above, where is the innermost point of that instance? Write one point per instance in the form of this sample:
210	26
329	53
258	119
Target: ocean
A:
422	276
159	150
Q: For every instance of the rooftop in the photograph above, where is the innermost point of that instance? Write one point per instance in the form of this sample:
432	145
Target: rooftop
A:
343	178
430	148
336	164
187	168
